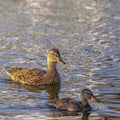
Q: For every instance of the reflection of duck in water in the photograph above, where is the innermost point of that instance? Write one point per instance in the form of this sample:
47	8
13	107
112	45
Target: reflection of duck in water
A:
52	90
85	115
69	104
38	77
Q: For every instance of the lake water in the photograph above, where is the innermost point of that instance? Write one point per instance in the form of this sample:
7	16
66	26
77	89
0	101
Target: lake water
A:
87	33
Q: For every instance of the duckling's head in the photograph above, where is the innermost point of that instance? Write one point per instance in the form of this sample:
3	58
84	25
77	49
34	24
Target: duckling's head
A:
54	56
86	95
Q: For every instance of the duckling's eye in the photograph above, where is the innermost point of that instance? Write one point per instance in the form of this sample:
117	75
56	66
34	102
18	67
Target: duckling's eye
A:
89	94
55	55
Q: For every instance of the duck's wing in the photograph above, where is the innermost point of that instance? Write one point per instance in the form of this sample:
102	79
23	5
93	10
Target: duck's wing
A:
25	71
26	76
61	104
87	107
37	71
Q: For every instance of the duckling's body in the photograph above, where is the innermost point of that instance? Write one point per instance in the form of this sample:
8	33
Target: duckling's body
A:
69	104
36	76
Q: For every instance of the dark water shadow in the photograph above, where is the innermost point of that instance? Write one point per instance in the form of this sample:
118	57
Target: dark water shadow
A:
52	89
83	115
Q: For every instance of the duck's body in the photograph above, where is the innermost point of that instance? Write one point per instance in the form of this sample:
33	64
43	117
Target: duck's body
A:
69	104
33	76
36	76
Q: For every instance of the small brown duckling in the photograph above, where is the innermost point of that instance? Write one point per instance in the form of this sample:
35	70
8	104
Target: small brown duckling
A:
38	77
68	104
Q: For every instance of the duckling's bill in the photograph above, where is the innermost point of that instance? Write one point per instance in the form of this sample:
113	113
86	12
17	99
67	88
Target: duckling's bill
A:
93	98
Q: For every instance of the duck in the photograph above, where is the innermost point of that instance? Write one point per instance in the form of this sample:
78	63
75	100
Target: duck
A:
37	77
69	104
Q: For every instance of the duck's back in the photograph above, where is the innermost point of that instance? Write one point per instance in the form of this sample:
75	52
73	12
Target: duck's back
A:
67	104
27	76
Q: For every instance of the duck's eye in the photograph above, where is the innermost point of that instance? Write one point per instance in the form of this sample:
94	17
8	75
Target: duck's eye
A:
55	55
89	93
52	53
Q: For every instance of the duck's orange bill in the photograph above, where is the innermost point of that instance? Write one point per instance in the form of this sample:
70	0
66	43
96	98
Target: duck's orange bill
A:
94	99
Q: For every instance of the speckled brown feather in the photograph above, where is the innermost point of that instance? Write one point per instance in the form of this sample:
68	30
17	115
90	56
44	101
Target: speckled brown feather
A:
33	76
67	104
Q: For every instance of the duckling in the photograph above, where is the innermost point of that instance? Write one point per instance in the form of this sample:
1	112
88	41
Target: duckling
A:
36	76
69	104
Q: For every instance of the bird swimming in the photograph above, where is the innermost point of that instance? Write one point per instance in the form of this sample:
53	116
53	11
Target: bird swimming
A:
69	104
38	77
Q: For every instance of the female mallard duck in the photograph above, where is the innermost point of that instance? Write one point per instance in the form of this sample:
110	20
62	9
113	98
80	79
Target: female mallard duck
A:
69	104
38	77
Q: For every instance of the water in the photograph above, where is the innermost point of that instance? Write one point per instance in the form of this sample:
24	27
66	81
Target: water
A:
87	35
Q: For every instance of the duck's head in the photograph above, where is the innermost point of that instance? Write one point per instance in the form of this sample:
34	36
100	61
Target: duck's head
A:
54	56
86	95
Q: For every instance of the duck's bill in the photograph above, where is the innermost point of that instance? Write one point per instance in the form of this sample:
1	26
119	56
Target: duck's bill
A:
93	98
61	61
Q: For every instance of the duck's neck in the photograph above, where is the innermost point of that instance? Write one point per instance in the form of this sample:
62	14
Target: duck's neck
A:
86	105
83	100
51	66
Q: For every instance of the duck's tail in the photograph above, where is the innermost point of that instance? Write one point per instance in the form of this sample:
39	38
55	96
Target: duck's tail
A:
7	71
52	103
